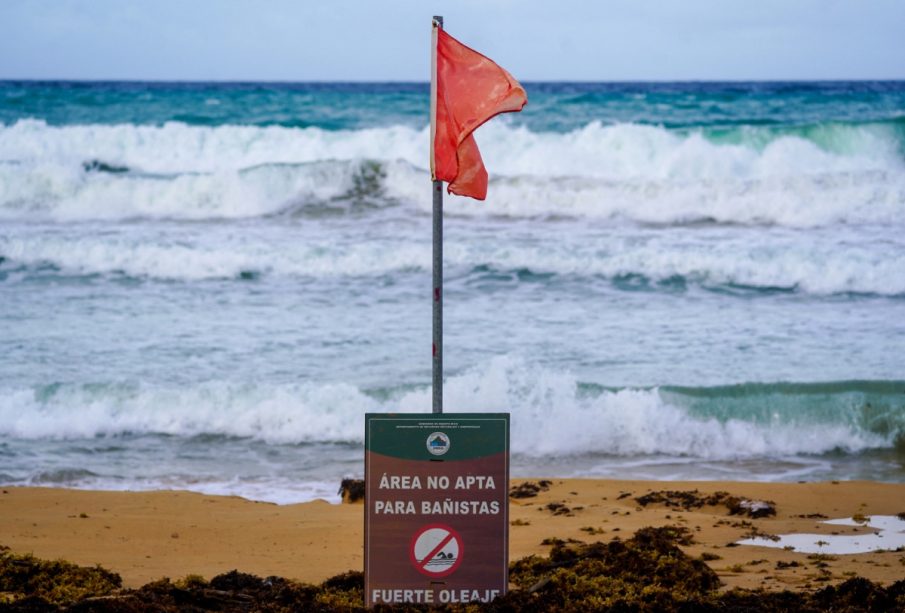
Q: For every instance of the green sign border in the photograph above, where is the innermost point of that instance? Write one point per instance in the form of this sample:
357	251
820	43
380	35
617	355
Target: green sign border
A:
404	435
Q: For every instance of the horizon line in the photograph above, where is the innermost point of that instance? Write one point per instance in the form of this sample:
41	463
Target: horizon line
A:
427	82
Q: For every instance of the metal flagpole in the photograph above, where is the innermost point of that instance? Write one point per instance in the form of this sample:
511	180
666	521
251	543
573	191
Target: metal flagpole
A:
438	235
438	297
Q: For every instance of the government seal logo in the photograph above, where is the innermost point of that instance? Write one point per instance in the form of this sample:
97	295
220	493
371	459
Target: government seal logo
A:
438	443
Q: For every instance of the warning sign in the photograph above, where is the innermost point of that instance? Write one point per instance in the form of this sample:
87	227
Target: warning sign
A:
436	550
436	518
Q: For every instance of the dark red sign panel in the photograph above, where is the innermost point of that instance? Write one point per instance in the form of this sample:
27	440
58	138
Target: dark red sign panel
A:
436	519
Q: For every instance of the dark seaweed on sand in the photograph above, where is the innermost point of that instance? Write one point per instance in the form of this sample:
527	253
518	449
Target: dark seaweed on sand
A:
55	581
648	572
694	499
529	489
352	490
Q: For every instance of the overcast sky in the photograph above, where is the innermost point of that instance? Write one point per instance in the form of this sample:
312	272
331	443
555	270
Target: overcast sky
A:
372	40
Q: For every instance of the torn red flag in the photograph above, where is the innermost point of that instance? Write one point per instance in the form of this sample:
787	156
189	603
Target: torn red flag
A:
470	89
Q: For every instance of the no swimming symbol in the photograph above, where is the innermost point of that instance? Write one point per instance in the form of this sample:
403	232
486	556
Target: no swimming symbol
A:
436	550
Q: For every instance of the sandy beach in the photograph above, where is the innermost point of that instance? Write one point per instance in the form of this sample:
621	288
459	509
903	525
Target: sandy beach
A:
145	536
230	238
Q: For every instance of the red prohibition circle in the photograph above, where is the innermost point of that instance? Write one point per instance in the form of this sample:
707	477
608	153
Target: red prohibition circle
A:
421	565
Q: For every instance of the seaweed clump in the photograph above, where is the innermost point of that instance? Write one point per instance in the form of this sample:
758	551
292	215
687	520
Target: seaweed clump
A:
58	581
529	489
647	571
230	592
352	490
854	595
688	500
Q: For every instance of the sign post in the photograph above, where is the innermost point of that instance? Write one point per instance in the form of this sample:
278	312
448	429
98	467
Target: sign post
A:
437	513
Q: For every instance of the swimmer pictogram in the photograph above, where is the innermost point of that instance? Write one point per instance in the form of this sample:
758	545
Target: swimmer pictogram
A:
436	550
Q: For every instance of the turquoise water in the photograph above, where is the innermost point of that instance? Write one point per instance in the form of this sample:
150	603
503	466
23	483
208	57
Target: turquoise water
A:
206	286
557	107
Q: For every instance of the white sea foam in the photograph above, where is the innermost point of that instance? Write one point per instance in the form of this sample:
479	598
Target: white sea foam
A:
192	260
795	201
57	192
179	148
278	414
628	422
630	151
812	263
612	152
271	489
807	265
643	173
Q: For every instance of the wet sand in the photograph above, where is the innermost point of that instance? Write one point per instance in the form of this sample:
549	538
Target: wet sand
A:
144	536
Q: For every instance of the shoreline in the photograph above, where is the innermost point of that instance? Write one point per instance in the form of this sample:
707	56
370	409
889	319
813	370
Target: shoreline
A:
145	536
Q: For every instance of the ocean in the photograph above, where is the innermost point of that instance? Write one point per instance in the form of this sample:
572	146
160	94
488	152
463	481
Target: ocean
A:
205	286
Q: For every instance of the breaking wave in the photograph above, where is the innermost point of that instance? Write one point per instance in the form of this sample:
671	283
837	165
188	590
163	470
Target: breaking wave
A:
654	261
833	173
722	423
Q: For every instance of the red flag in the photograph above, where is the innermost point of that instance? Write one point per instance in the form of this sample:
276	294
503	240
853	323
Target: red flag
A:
470	89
